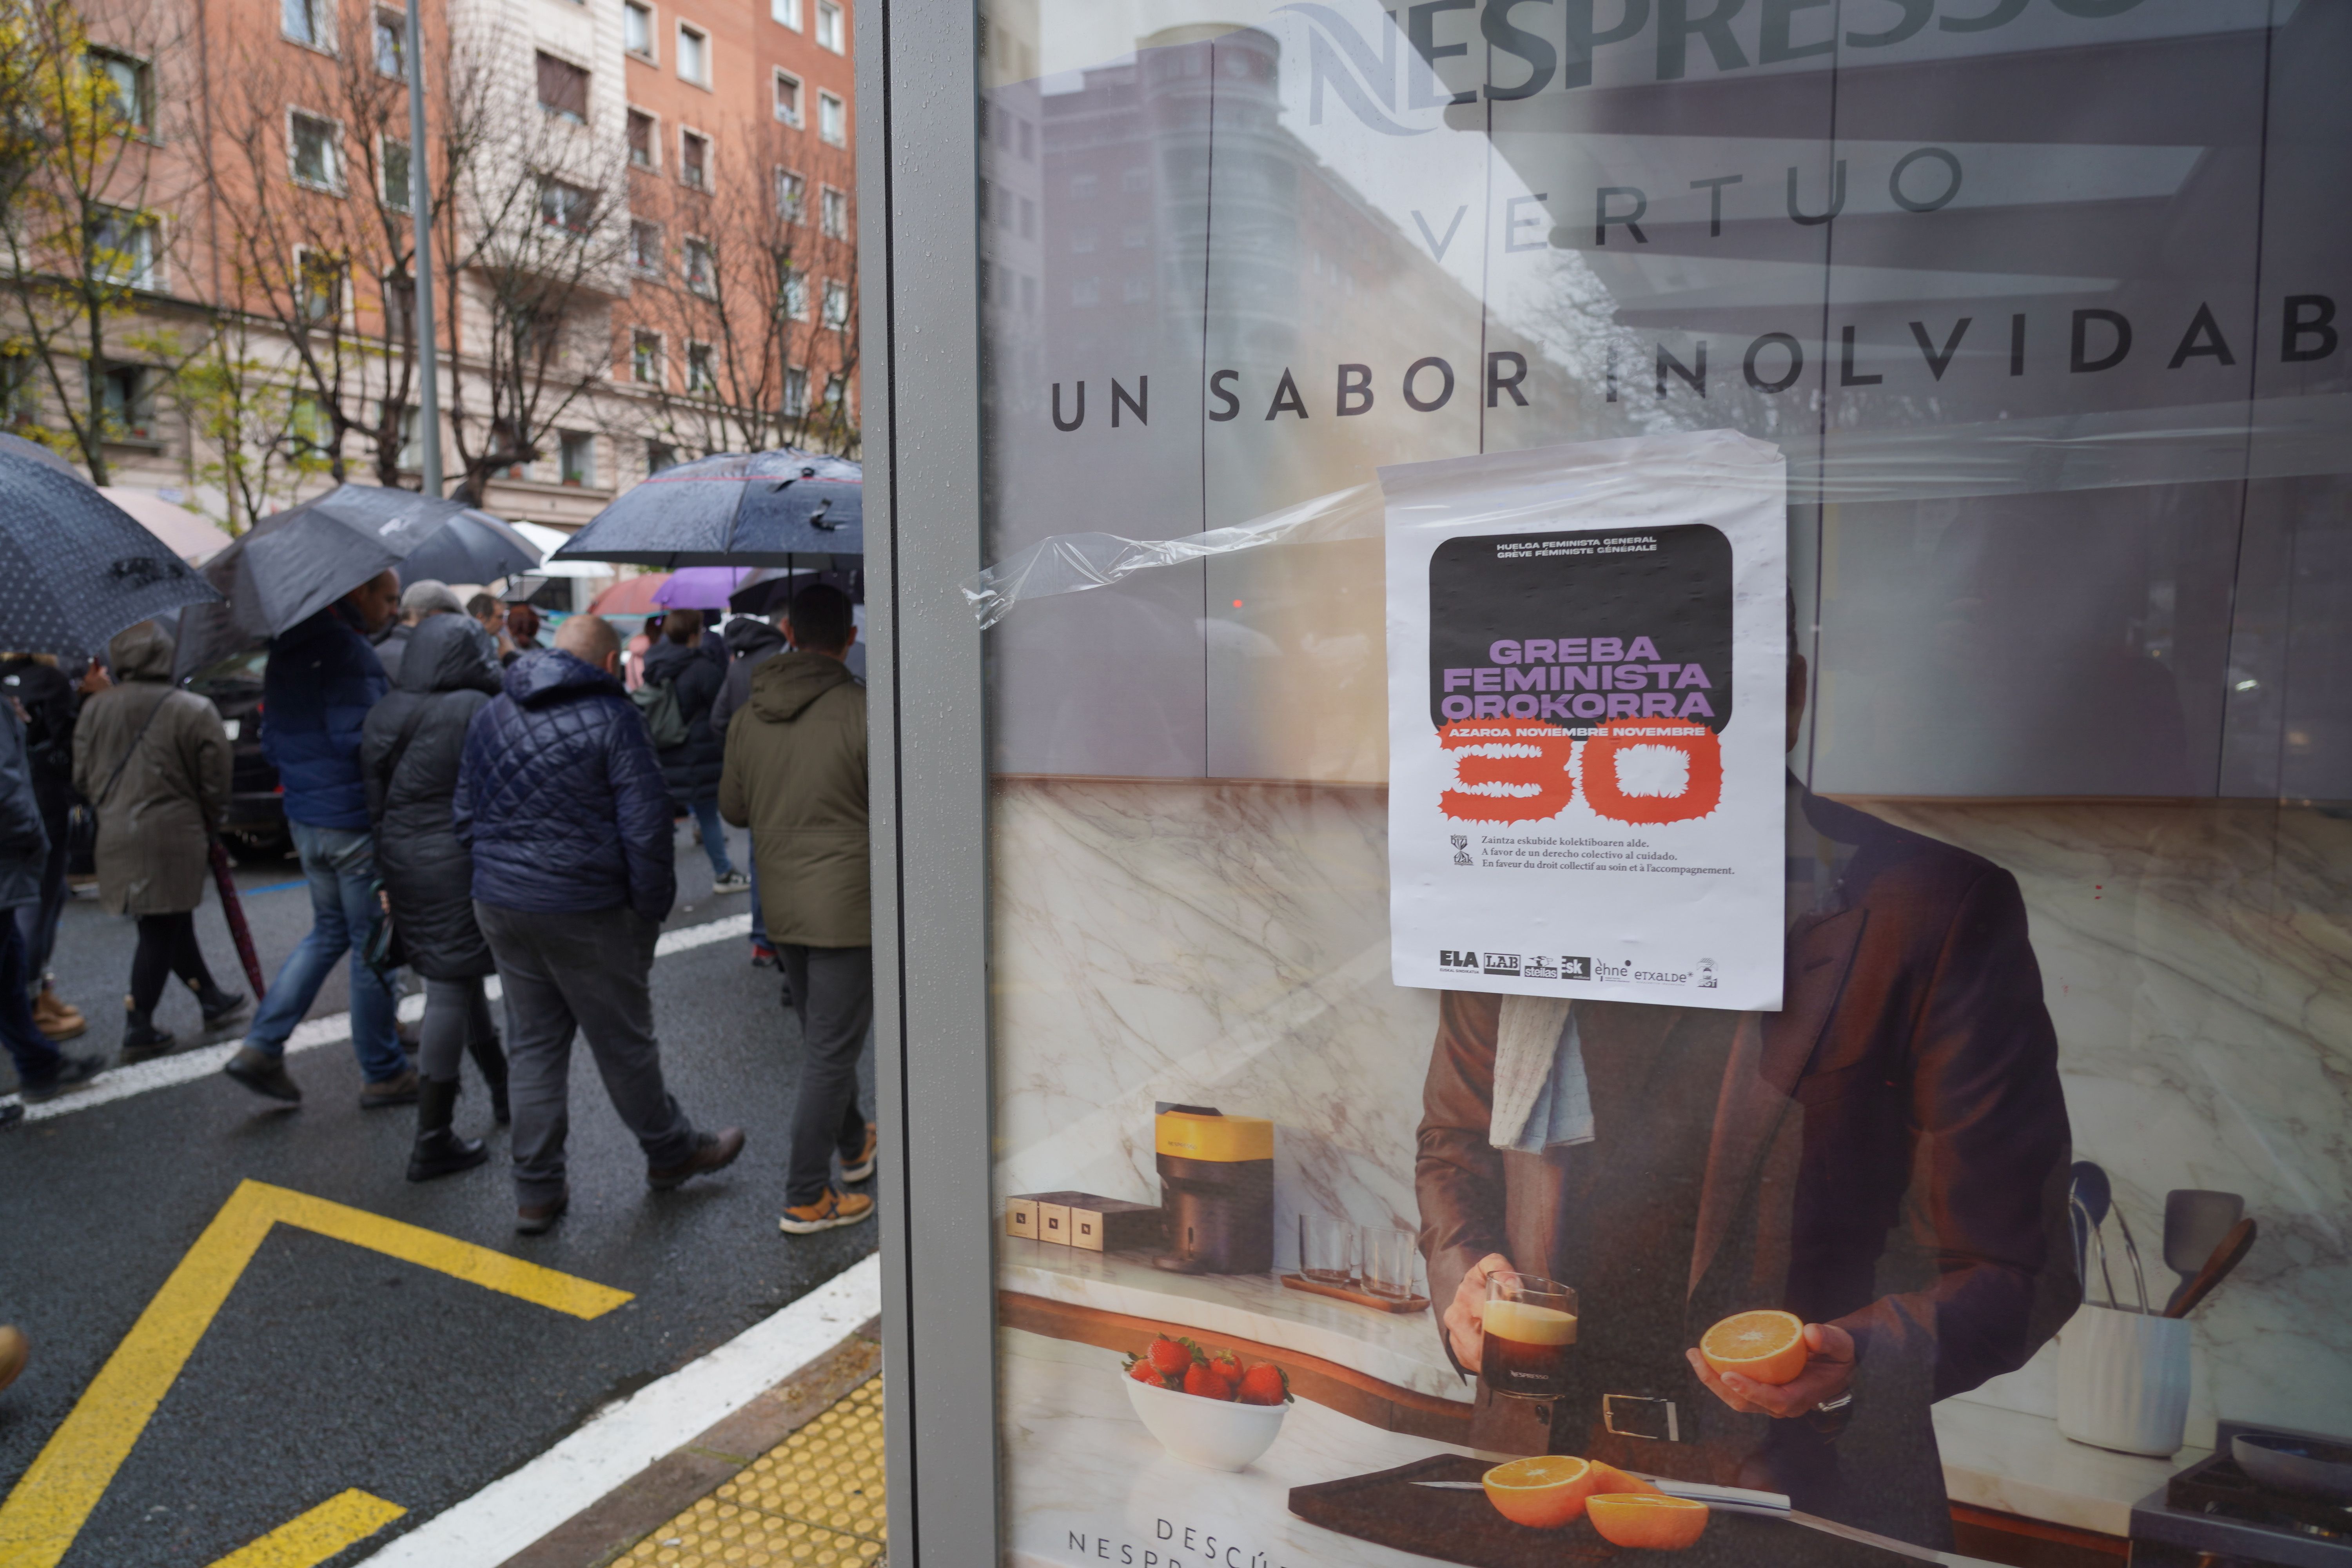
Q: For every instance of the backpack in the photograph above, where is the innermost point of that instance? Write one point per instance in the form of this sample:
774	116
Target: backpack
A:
665	719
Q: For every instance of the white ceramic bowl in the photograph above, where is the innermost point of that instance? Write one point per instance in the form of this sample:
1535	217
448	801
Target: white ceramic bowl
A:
1214	1434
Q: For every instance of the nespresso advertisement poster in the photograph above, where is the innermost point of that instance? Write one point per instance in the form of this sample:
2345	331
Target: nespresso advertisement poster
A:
1587	658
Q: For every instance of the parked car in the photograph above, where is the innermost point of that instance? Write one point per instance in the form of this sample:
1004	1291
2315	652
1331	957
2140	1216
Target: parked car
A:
257	811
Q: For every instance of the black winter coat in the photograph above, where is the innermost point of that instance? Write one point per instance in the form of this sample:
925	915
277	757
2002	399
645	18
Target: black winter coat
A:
692	769
448	670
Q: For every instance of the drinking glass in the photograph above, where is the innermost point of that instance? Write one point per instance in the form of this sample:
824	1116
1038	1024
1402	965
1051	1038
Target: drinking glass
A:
1389	1257
1530	1324
1327	1249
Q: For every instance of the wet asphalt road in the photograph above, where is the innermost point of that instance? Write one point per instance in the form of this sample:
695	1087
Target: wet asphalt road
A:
330	1366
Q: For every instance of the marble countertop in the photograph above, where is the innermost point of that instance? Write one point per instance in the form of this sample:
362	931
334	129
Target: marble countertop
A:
2017	1463
1398	1348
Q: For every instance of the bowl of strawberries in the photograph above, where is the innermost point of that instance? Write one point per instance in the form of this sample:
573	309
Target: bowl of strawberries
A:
1206	1407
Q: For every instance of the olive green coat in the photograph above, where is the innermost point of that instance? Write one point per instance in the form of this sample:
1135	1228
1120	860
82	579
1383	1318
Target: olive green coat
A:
155	822
795	777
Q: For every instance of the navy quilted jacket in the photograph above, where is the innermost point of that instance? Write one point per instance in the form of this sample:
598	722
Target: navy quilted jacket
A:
322	678
560	798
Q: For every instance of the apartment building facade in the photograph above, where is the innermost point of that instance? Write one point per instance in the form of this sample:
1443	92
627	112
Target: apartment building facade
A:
644	246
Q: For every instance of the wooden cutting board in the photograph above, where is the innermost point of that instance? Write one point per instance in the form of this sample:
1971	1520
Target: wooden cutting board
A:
1386	1510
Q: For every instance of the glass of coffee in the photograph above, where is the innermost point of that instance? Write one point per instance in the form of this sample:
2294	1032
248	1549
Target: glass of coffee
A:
1530	1324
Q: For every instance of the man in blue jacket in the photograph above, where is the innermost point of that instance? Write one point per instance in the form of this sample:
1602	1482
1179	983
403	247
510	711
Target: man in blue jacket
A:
562	803
323	678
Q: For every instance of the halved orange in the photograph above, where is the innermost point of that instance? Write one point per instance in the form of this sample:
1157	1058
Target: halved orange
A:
1610	1479
1642	1519
1543	1492
1766	1346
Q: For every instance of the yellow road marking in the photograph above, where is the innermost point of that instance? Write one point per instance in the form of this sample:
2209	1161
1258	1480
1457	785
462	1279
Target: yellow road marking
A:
319	1534
55	1497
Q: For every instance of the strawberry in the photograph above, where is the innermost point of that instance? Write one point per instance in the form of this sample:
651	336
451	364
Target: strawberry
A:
1200	1380
1264	1383
1141	1369
1170	1358
1228	1365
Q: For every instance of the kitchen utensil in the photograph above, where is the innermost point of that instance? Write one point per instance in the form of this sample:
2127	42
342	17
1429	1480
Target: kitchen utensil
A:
2195	1221
1327	1249
2304	1465
2226	1257
1388	1256
2131	1250
2091	1189
2123	1380
2087	1232
1216	1183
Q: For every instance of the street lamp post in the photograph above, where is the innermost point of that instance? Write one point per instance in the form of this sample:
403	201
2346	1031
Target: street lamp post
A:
420	214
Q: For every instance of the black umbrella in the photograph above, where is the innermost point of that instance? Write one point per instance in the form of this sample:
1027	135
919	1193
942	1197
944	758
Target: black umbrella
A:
18	446
293	563
471	547
75	568
767	509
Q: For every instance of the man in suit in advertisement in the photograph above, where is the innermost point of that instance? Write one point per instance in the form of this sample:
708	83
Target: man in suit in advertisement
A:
1886	1157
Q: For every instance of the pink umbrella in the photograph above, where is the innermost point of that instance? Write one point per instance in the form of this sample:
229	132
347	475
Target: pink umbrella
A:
192	539
701	587
630	595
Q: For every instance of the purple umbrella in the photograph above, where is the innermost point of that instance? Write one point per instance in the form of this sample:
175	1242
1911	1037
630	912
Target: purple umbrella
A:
701	587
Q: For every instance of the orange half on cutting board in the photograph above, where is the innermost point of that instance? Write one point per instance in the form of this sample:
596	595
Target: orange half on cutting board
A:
1766	1346
1646	1518
1543	1492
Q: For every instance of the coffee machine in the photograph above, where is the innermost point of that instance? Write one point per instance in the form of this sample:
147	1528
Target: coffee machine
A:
1216	1188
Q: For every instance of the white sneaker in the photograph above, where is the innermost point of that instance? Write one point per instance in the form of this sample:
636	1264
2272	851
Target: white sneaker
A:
733	882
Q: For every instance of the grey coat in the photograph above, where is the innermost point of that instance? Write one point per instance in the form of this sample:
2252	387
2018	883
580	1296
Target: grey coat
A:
409	753
156	818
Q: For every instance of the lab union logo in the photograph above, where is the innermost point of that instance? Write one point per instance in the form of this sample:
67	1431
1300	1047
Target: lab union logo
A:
1503	963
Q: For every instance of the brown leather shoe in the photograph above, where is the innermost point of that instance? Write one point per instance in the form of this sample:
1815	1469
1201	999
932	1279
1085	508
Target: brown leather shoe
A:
538	1219
392	1091
712	1151
57	1017
830	1209
16	1349
862	1168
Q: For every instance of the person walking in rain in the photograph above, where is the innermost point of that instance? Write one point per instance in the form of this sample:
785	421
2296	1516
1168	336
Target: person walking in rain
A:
323	680
409	753
42	1070
695	667
562	807
153	762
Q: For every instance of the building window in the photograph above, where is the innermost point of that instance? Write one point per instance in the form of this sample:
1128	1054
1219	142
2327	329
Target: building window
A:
1028	141
696	262
398	178
566	206
1087	292
122	249
828	26
837	304
576	452
309	22
318	288
646	359
646	246
129	84
1137	290
644	139
795	393
411	457
792	197
693	55
833	120
788	99
1083	186
785	13
19	407
563	88
1028	218
833	212
837	390
700	377
313	432
128	408
637	30
795	294
694	159
316	158
1028	296
391	44
1083	241
660	455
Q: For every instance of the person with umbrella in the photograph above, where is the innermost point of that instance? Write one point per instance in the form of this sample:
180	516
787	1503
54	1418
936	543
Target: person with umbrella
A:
413	740
323	677
153	762
423	596
42	1070
694	670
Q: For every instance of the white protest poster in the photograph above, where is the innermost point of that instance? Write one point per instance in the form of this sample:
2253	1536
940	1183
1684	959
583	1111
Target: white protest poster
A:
1588	662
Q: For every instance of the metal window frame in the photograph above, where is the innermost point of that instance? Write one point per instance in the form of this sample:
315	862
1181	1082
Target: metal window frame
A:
919	283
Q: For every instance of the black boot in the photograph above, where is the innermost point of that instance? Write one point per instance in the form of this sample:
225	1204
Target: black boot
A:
219	1006
439	1151
141	1040
491	1058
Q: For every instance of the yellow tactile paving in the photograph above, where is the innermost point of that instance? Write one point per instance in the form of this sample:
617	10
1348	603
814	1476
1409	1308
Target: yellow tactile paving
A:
814	1499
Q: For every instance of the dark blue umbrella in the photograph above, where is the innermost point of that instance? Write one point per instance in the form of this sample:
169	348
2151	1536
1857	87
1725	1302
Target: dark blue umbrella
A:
766	508
471	547
18	446
75	568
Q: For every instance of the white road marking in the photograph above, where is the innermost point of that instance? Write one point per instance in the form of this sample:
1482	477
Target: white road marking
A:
186	1067
623	1440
